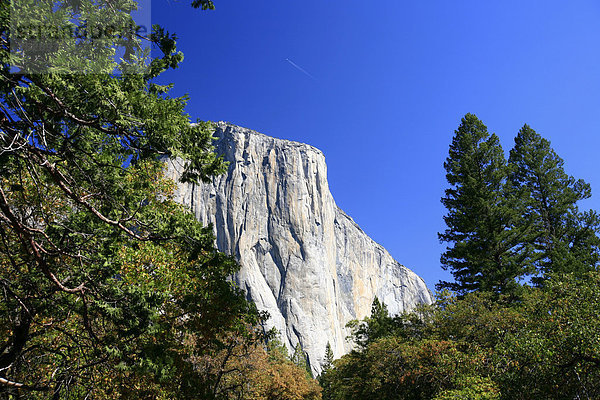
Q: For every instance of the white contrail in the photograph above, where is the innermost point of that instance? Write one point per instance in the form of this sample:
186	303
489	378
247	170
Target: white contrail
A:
299	68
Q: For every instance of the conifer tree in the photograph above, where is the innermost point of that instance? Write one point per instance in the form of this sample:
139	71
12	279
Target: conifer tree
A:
484	251
325	377
328	361
376	326
299	358
564	239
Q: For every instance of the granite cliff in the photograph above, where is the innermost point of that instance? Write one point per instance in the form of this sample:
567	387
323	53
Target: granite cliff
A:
303	259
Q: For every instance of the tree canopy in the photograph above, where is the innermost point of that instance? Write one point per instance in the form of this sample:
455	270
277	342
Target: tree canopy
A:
484	252
563	239
544	347
108	287
511	220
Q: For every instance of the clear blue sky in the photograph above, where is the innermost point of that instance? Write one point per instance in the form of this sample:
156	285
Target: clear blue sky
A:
392	80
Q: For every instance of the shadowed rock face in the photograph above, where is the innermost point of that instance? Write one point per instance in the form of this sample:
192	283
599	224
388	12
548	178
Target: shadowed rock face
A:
303	259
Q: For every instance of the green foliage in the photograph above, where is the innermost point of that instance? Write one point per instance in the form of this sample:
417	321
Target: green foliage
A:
471	388
564	240
544	346
109	288
299	358
392	368
328	359
325	378
408	326
203	4
507	222
485	253
555	351
377	325
275	348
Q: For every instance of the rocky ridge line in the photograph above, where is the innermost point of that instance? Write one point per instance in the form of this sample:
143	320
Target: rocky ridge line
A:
303	259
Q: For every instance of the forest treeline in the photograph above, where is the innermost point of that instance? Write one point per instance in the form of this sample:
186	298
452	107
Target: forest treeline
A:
520	320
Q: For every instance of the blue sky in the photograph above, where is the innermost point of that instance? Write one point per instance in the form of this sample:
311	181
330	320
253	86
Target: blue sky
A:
389	82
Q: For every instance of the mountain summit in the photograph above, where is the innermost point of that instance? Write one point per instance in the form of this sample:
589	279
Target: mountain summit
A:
303	259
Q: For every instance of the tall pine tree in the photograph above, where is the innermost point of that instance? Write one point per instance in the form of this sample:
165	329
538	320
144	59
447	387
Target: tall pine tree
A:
484	251
328	359
374	327
564	239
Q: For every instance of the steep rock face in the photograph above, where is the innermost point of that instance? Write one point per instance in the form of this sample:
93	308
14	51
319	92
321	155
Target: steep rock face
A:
303	259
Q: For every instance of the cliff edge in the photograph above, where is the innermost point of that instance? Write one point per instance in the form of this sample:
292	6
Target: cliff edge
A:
303	259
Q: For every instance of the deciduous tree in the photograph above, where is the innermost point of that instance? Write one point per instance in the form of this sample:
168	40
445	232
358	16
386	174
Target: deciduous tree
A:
102	275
